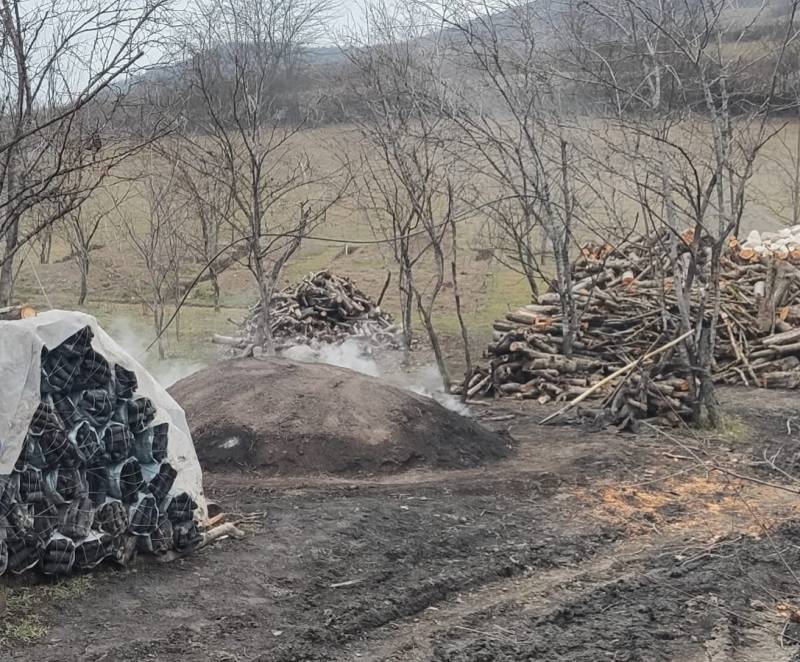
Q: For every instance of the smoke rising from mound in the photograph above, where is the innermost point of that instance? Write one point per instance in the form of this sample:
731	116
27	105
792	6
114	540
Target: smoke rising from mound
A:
423	381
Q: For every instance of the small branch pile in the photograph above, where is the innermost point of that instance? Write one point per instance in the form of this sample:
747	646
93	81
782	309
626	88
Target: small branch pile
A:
92	481
322	308
628	308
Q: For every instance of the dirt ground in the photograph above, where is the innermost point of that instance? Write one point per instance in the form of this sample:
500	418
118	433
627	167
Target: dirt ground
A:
581	546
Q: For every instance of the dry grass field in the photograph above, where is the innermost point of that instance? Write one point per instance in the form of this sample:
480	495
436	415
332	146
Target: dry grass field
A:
488	287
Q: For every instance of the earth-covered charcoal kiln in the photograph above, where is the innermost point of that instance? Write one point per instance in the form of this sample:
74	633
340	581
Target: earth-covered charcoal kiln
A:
96	461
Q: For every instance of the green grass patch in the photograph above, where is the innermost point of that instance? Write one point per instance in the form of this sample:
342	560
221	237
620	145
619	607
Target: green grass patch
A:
22	622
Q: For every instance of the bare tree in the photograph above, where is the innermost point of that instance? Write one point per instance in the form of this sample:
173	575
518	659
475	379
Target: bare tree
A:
58	59
79	229
243	131
154	239
409	173
688	138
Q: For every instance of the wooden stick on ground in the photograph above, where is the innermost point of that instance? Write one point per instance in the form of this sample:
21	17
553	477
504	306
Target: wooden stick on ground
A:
614	375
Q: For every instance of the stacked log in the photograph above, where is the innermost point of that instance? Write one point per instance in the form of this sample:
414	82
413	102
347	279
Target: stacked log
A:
628	307
322	308
92	481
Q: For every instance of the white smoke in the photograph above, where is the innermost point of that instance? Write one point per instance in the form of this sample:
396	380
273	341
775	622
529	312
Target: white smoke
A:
424	381
135	339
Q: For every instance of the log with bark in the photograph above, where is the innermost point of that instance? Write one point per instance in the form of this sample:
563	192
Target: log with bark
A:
627	307
324	308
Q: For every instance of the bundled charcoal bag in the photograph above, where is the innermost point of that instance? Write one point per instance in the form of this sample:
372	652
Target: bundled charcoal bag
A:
58	555
117	440
151	444
111	517
93	550
8	495
87	441
159	478
96	460
125	480
143	515
159	541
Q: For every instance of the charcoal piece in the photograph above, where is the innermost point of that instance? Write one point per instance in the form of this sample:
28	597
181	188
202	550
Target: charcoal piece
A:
45	420
20	520
87	441
9	491
186	535
23	554
96	406
117	441
124	549
125	382
110	517
141	413
47	430
64	484
94	372
143	515
31	454
58	556
159	541
66	406
125	480
179	507
159	479
60	365
75	519
59	373
160	441
75	346
45	520
3	557
151	445
92	550
31	485
97	484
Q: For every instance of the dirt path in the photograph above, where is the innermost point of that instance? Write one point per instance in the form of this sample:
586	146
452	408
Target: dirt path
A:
580	547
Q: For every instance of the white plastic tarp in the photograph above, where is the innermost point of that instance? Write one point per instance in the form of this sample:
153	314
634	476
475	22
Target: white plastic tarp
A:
21	345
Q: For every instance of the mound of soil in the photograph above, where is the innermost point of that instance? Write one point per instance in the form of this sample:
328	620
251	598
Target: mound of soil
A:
293	418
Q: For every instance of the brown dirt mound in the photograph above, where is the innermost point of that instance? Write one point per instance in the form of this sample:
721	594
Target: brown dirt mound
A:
292	418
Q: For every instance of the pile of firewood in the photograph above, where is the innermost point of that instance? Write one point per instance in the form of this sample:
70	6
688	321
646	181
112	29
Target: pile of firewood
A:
321	308
92	481
628	308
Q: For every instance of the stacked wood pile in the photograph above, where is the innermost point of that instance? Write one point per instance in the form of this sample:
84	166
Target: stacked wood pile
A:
92	481
321	308
628	308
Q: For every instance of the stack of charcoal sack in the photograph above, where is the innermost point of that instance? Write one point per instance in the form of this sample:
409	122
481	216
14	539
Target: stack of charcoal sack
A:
92	481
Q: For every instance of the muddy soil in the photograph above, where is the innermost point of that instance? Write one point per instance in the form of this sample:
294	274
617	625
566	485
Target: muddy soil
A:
578	547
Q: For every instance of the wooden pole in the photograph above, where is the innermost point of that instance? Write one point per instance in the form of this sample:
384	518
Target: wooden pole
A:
613	376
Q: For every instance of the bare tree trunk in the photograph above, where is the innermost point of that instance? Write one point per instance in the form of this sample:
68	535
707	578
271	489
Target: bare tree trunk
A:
46	239
7	268
406	287
427	321
215	288
83	268
158	325
263	336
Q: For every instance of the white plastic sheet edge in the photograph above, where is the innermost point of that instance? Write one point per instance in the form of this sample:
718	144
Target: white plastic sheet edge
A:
21	345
